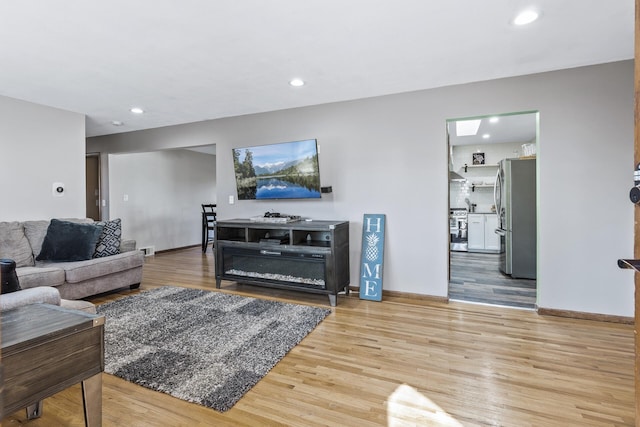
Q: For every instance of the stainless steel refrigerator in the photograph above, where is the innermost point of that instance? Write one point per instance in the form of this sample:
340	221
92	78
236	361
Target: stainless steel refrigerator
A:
515	199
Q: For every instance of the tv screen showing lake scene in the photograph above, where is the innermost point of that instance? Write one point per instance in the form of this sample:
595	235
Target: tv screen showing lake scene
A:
288	170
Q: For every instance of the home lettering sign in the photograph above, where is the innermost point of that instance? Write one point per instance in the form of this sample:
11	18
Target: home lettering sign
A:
372	257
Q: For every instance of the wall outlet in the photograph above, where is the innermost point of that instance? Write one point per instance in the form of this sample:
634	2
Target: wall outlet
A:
231	200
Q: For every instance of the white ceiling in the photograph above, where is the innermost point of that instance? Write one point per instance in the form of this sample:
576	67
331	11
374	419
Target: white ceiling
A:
508	128
191	60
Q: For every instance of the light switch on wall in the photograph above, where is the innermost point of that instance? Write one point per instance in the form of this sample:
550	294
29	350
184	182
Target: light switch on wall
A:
125	198
231	200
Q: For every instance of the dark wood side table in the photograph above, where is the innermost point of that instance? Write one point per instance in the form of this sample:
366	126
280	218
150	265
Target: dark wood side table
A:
45	349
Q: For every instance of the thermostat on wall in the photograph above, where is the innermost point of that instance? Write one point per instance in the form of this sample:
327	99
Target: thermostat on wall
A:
57	189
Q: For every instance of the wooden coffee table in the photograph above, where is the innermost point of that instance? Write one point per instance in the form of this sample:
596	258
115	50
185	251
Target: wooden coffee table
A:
45	349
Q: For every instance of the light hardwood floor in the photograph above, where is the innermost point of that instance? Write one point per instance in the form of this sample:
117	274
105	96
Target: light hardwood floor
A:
396	362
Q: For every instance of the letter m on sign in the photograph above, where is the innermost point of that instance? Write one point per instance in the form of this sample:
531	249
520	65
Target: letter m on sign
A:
372	257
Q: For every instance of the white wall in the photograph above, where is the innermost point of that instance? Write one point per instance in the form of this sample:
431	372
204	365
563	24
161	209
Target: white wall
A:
39	146
165	191
389	155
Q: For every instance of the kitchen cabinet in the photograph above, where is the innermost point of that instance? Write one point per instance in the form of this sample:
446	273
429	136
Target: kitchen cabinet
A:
475	232
481	232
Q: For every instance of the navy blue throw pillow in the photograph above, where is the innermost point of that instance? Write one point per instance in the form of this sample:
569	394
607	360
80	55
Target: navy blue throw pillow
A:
69	241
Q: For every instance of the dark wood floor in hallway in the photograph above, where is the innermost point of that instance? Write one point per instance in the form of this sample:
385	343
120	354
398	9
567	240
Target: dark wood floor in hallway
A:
475	277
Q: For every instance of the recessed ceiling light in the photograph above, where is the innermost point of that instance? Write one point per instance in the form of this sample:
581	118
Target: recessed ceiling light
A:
296	82
494	119
137	110
526	17
486	136
116	123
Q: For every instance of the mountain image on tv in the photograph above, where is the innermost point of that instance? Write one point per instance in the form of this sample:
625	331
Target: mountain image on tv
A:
277	171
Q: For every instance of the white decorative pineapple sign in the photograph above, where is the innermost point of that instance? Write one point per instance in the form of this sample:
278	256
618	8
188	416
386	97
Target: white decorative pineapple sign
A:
372	251
372	257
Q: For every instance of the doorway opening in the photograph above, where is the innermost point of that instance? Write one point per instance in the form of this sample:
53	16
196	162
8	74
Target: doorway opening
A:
92	183
170	201
493	209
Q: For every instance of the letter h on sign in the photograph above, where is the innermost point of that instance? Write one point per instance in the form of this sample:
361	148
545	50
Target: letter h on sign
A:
372	257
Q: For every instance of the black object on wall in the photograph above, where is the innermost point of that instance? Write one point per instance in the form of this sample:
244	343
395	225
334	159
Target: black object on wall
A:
328	189
634	194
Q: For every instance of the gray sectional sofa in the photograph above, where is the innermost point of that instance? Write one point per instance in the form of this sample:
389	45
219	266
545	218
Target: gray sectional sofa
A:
23	242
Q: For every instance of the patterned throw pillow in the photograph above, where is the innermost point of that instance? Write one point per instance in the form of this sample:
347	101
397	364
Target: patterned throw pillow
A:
109	241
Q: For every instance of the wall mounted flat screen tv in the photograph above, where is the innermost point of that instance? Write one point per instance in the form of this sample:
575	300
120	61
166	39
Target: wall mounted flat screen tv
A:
287	170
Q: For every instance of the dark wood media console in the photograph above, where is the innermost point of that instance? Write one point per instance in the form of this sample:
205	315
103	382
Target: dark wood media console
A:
310	256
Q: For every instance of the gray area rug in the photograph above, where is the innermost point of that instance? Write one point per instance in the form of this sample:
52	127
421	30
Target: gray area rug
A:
204	347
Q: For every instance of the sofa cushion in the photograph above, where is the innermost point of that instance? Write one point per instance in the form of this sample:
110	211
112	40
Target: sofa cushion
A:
32	277
109	241
127	245
80	271
14	244
39	295
69	241
78	304
35	232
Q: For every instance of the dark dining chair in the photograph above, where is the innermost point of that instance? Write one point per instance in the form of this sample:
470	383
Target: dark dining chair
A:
208	224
